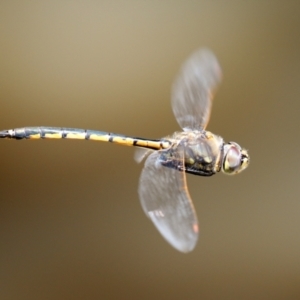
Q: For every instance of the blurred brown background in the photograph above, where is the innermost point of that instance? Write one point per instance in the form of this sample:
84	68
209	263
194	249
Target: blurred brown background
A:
71	226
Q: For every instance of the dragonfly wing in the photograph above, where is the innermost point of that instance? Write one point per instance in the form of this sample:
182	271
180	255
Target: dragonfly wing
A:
166	201
193	90
141	153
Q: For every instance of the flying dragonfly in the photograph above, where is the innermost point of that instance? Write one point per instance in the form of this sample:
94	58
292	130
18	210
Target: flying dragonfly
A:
162	188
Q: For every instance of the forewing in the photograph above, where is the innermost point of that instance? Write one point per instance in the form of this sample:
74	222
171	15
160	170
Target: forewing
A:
166	201
193	89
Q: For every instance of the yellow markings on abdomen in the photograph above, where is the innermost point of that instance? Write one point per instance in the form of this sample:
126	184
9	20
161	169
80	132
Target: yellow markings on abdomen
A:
122	140
76	136
35	133
101	138
127	141
148	144
141	143
52	136
34	136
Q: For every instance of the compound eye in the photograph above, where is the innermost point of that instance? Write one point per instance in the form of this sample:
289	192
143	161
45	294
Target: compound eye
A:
232	161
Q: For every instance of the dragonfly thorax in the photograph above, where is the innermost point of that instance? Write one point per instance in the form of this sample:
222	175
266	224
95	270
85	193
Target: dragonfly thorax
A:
201	152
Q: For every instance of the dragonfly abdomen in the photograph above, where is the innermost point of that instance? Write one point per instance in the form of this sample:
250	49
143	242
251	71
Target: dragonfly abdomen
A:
34	133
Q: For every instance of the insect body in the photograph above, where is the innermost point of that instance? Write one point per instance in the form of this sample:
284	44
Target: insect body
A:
162	189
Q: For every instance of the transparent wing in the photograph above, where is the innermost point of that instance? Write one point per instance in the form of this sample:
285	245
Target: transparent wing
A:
166	201
141	153
193	90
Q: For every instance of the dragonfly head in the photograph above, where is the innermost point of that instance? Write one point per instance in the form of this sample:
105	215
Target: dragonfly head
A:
236	159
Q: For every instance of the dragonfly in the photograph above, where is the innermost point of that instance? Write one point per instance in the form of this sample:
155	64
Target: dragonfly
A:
162	190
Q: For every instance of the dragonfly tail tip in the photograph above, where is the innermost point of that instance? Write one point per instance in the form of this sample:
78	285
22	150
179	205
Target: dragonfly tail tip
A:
4	134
